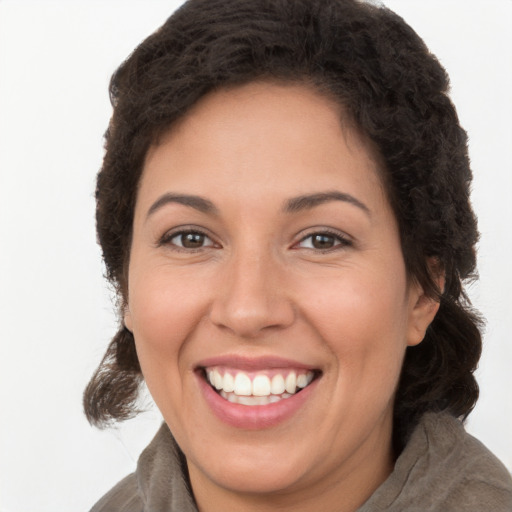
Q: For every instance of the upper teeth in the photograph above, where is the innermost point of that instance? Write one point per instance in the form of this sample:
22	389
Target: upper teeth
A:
258	384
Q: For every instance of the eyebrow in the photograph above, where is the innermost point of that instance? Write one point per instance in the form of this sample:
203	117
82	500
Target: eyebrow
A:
196	202
309	201
296	204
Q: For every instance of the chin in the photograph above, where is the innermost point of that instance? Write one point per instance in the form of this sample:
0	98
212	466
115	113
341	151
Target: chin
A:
248	476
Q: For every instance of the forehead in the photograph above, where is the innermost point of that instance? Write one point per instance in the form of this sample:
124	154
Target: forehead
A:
275	137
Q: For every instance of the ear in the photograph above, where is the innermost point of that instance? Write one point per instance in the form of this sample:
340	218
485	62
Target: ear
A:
127	318
423	307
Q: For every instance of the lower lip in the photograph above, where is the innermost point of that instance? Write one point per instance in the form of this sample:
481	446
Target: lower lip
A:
254	417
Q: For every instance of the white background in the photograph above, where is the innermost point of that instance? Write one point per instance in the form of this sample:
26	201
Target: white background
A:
56	313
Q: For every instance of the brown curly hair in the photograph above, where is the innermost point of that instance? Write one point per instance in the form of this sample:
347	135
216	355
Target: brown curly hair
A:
374	65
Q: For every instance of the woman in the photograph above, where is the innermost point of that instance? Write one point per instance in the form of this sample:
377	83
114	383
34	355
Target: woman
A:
283	208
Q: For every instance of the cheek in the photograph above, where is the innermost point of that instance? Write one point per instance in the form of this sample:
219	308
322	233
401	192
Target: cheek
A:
164	313
363	328
363	321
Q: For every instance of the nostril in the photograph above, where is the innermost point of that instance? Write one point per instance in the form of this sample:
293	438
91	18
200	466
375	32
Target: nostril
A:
250	323
250	301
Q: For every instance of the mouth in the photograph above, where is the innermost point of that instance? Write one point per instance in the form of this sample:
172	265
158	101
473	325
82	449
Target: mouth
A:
257	388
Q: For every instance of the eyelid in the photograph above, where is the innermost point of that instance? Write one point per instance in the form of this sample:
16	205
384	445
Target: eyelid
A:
343	239
165	239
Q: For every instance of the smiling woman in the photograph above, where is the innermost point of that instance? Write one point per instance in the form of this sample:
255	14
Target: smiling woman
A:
248	291
283	208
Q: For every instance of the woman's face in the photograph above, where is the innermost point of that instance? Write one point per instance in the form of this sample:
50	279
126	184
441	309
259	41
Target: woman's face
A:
266	259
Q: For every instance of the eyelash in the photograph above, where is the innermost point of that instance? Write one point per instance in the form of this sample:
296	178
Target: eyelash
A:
169	236
342	240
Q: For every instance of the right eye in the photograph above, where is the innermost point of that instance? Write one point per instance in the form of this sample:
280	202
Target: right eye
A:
188	240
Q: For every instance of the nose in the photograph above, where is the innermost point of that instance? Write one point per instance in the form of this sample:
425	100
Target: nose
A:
252	298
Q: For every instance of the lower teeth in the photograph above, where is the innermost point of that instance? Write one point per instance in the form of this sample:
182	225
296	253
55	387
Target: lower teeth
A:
253	400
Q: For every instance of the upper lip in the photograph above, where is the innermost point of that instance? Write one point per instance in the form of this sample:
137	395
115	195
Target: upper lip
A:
245	363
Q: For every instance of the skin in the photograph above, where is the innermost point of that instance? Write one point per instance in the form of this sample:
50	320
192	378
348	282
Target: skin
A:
258	286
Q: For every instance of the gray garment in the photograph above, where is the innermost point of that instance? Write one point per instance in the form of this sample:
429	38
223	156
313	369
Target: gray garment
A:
442	469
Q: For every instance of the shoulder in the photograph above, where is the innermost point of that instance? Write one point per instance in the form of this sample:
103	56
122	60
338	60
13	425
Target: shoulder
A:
123	497
469	477
159	483
444	468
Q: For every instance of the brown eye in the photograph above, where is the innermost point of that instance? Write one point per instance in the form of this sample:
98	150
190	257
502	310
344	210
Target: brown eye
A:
324	241
191	240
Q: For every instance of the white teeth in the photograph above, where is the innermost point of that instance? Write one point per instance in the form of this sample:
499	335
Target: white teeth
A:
277	386
229	383
261	390
253	400
261	386
218	381
230	396
243	385
291	383
302	381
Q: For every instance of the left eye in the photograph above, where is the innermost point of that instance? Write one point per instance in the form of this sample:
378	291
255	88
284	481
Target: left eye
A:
191	240
323	241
